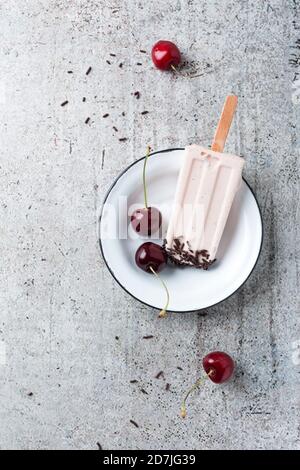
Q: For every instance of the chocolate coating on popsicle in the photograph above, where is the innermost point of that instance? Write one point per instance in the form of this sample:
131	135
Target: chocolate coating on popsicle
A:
181	254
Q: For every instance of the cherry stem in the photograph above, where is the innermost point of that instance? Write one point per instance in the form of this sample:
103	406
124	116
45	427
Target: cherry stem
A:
144	176
186	75
194	387
163	312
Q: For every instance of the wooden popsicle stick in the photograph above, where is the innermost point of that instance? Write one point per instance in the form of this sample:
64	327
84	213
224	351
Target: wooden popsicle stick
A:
224	123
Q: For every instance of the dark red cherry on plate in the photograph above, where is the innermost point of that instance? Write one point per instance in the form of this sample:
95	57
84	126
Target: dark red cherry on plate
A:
150	255
165	55
146	221
219	366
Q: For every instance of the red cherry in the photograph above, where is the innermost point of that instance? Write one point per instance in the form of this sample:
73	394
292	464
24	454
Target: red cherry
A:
150	255
165	54
146	221
219	366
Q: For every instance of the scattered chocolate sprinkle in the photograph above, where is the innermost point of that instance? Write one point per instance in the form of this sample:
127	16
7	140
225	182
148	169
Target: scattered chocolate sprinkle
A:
144	391
139	63
134	423
117	338
87	120
30	394
109	63
105	115
167	387
115	129
133	381
148	337
179	368
200	314
123	113
112	55
88	71
142	51
160	374
137	95
99	446
123	139
70	71
64	103
121	65
144	112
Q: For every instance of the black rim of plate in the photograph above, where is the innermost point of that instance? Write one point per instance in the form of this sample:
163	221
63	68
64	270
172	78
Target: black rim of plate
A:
117	280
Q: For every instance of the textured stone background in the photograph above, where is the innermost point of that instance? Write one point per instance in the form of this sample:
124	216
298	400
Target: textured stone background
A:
64	375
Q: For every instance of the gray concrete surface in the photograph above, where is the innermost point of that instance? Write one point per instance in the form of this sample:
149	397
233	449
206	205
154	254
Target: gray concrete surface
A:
70	339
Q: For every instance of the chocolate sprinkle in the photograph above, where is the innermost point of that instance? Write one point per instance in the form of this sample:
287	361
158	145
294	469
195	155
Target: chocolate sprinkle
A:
133	381
64	103
123	139
167	387
115	129
137	95
160	374
87	120
88	71
134	423
148	337
144	391
99	446
105	115
142	51
144	112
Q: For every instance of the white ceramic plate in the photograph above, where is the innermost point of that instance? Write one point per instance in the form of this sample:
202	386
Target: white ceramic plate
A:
190	289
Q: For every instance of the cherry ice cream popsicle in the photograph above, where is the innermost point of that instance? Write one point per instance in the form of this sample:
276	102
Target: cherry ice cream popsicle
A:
206	187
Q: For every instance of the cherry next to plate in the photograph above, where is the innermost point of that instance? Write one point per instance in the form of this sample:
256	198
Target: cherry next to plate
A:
219	367
165	55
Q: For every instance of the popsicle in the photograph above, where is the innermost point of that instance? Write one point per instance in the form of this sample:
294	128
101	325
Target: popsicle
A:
207	184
